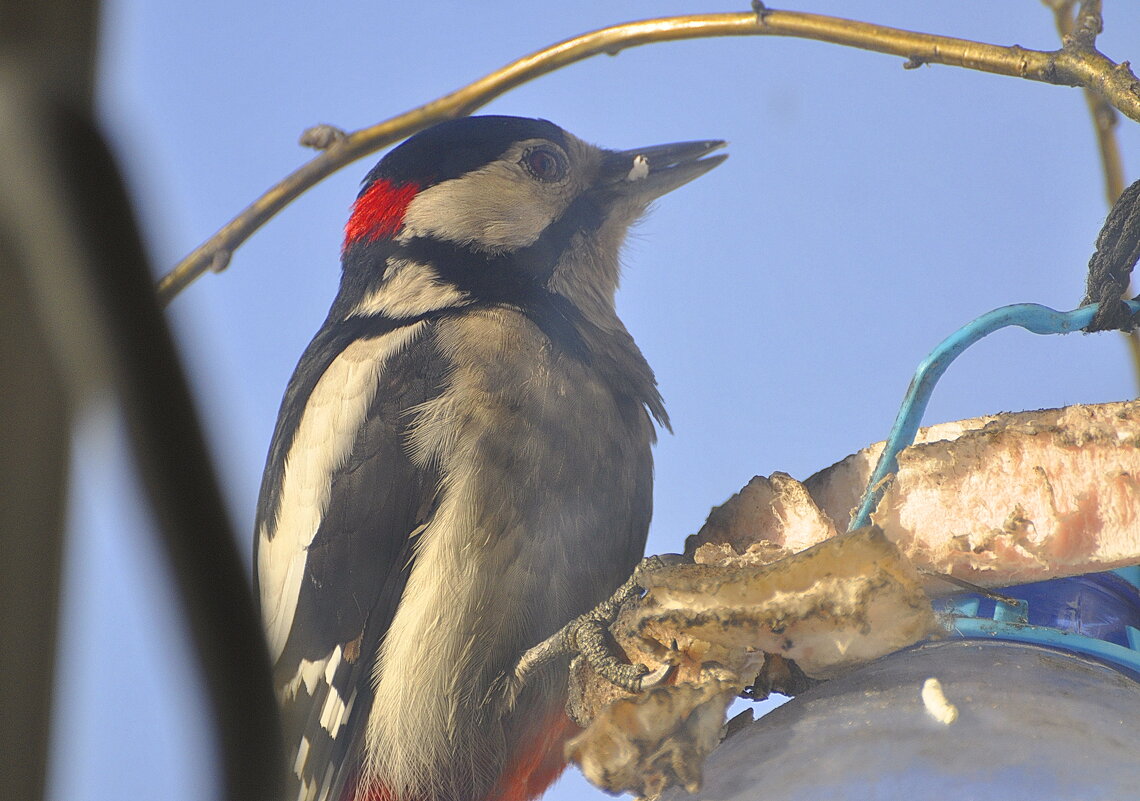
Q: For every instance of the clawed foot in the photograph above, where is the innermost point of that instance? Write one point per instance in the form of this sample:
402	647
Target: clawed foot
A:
586	636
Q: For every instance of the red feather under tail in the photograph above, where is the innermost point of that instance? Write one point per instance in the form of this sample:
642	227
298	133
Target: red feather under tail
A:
535	765
539	761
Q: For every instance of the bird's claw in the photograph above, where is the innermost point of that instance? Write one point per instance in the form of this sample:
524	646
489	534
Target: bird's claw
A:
586	636
656	677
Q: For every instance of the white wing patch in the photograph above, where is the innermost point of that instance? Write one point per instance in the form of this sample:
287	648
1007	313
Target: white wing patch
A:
325	436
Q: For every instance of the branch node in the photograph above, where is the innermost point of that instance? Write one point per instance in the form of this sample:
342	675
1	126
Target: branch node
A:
1088	25
322	137
914	62
760	10
220	260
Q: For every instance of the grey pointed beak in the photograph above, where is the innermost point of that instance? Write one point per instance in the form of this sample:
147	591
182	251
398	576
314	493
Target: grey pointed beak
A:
649	172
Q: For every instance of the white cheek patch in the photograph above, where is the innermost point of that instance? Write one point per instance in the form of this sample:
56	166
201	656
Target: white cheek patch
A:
639	170
497	207
324	439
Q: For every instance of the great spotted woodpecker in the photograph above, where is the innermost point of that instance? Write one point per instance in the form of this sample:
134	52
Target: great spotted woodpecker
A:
461	463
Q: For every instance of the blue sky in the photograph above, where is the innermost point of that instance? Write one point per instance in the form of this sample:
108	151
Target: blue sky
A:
865	212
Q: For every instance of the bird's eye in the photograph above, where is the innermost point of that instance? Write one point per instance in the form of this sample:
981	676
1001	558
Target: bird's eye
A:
545	163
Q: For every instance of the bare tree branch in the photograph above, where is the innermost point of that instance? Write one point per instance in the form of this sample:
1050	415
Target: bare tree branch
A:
1073	65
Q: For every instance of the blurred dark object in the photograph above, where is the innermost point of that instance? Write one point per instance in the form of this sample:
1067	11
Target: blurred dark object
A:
78	319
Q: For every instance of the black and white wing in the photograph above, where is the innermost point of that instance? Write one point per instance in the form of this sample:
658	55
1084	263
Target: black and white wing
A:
340	501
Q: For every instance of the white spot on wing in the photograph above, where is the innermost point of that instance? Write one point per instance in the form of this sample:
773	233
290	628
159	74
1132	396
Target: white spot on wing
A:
333	664
327	784
307	673
308	791
302	757
323	442
332	714
348	707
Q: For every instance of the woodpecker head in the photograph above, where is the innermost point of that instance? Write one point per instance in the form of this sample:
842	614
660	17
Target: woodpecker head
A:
485	210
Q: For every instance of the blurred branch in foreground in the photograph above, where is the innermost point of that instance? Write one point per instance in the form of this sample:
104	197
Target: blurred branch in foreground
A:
79	323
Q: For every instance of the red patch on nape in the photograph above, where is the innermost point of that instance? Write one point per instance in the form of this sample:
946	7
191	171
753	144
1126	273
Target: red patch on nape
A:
379	212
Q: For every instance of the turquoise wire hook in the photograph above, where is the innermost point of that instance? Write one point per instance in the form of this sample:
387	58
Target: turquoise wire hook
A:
1030	316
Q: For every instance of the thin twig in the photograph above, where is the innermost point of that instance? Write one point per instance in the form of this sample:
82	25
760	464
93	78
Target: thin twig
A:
1080	31
1089	24
1069	66
969	586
